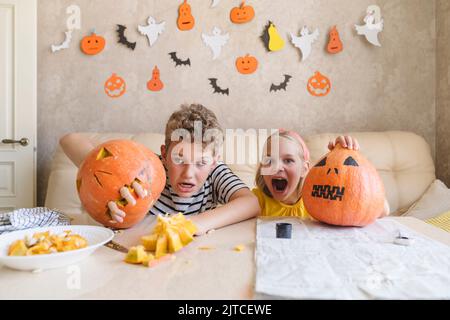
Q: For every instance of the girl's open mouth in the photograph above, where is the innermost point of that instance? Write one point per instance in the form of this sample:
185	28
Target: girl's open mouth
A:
279	184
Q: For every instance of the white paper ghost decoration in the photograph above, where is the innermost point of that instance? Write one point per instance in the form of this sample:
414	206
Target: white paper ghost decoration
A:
304	41
373	26
65	44
215	41
152	30
214	3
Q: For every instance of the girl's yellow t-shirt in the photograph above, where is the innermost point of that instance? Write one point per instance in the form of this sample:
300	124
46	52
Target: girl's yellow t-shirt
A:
273	208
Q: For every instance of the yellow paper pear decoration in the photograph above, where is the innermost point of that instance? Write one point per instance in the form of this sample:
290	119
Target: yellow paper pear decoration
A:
275	41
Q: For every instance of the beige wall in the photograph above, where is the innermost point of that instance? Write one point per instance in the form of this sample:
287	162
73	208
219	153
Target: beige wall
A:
386	88
443	91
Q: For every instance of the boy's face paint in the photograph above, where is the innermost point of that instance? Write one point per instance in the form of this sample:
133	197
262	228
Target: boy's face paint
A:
188	165
283	170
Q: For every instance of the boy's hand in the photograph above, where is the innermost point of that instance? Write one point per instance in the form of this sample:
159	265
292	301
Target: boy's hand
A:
345	141
117	214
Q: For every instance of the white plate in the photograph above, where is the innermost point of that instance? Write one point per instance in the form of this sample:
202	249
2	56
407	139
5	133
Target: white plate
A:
95	236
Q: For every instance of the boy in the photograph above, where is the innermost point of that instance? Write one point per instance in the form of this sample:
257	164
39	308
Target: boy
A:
196	180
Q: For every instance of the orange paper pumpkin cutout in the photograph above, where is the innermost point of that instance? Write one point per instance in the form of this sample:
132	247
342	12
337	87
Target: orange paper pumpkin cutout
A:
247	64
319	85
155	84
111	166
334	44
344	189
92	44
242	14
115	86
185	19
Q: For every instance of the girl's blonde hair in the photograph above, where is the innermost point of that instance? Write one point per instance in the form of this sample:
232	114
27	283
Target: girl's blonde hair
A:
293	136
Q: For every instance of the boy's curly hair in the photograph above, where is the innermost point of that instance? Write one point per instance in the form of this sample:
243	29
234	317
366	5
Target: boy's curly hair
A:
192	117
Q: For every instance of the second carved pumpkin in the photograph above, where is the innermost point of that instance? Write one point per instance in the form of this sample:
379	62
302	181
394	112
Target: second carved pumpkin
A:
344	189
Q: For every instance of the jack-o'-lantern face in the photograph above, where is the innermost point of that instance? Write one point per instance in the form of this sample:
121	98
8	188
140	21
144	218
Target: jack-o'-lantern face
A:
115	86
185	19
247	64
319	85
155	84
242	14
93	44
344	188
334	44
111	166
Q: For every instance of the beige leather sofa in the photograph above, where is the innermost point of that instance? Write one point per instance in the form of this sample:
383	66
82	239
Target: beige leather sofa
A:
403	160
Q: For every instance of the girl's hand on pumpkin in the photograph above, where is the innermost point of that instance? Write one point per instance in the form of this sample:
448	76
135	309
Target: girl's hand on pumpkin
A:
346	142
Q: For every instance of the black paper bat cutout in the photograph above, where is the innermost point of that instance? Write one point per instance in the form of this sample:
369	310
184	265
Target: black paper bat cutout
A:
283	85
217	89
123	39
177	60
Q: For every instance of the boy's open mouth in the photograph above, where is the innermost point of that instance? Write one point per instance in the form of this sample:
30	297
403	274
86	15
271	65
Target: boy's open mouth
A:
279	184
186	186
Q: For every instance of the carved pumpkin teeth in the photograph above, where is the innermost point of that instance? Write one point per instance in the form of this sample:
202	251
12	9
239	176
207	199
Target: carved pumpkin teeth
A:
328	192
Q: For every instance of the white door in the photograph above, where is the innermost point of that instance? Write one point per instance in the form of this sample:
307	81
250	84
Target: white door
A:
17	104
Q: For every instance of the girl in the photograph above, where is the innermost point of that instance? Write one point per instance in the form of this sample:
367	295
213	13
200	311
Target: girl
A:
283	168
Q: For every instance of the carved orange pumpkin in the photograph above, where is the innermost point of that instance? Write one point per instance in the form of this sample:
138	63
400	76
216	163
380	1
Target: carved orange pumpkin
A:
334	44
115	86
155	84
344	189
109	167
242	14
247	64
93	44
319	85
185	19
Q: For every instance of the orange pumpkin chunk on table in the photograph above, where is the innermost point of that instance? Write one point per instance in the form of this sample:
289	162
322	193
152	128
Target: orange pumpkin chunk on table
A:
169	235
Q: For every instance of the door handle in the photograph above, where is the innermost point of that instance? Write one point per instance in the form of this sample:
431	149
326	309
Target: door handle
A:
23	142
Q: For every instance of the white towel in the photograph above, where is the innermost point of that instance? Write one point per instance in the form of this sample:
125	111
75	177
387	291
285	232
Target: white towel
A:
27	218
325	262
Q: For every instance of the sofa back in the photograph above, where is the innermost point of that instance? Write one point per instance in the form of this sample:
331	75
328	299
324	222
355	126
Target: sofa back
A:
403	160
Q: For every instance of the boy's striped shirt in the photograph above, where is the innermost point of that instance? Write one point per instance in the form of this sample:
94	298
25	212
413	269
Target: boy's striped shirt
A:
219	186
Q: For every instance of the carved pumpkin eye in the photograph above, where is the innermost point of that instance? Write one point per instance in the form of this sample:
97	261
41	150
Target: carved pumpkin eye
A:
350	162
322	163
